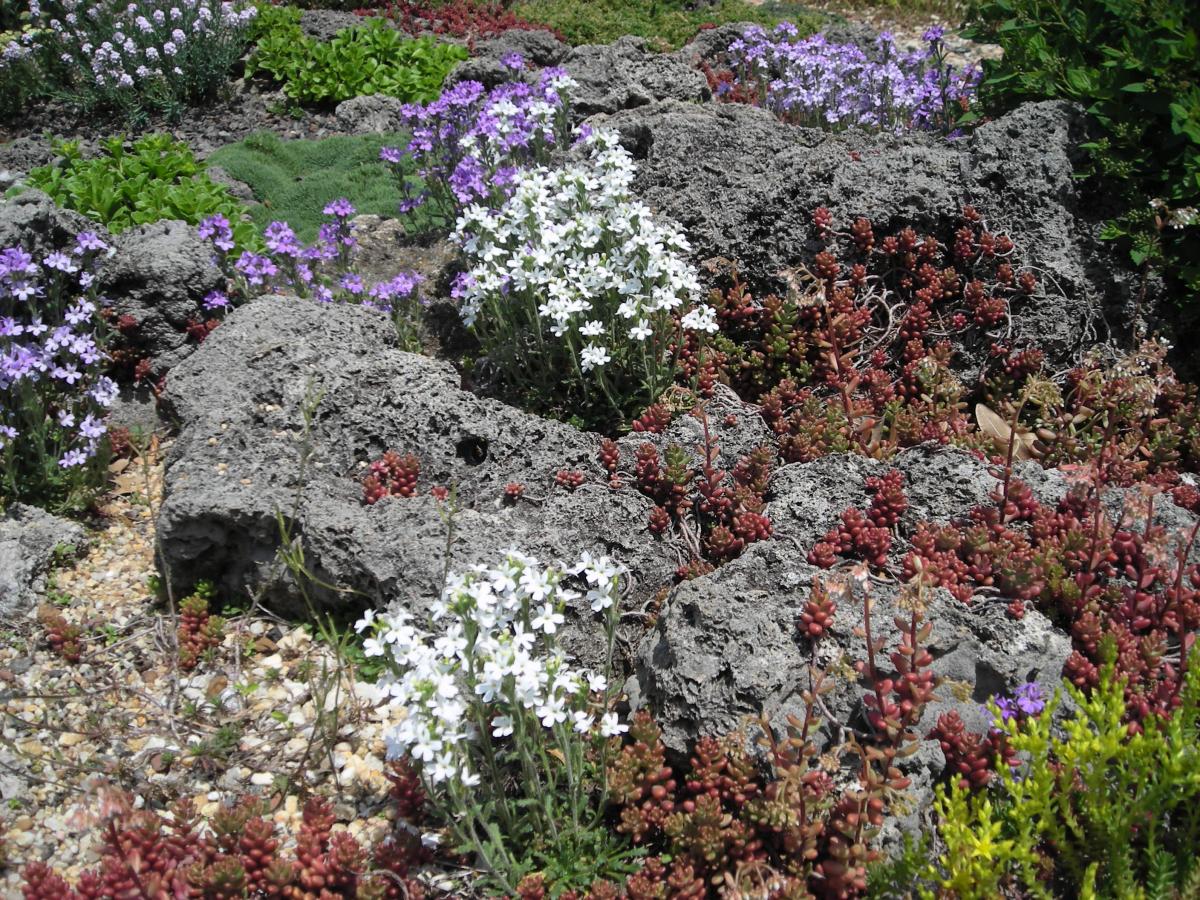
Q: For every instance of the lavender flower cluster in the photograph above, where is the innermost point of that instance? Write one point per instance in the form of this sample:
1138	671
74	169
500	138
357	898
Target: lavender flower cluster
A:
322	270
819	83
180	49
470	143
53	395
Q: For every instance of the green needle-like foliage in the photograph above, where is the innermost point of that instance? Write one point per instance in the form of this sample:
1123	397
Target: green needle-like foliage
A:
294	180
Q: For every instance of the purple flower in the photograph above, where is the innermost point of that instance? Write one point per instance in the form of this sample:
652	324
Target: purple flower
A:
513	60
933	33
60	261
87	241
1030	699
281	239
91	428
351	283
215	300
73	458
340	208
1008	709
391	155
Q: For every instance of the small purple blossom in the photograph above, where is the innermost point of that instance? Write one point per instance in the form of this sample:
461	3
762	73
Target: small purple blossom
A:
1030	699
341	208
214	300
513	60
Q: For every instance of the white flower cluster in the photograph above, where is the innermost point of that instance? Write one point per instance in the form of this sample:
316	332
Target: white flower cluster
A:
597	265
494	664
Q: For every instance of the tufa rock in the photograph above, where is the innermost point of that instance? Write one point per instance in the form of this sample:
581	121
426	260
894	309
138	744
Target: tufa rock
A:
626	75
30	540
243	458
159	274
744	185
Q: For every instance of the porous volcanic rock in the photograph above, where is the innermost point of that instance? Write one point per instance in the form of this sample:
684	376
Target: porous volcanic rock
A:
32	220
744	186
626	74
726	645
159	274
29	539
243	456
538	48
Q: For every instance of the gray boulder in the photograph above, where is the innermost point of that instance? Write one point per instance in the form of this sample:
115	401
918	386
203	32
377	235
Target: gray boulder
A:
324	24
626	74
30	540
726	647
727	641
369	114
243	456
32	220
538	48
744	186
159	274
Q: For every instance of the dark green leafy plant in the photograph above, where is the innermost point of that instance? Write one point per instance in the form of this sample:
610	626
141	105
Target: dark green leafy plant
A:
151	179
667	24
1135	65
371	58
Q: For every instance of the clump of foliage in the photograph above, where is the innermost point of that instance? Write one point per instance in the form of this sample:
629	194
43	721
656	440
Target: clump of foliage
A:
666	24
200	632
797	825
293	180
1125	589
136	58
468	145
714	513
130	184
508	737
238	852
53	393
65	638
470	19
576	294
834	86
324	271
1136	67
371	58
859	354
1095	809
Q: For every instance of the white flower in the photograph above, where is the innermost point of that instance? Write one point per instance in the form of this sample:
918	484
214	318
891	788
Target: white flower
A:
582	722
552	712
596	683
592	329
548	619
502	726
592	356
700	318
610	727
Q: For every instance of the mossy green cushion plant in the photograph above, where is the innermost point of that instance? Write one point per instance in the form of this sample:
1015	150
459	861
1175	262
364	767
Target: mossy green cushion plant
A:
134	184
1096	811
666	24
372	58
294	180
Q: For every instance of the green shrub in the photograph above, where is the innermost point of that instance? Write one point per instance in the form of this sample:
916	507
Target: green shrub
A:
152	179
294	180
1096	811
667	24
1135	64
371	58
